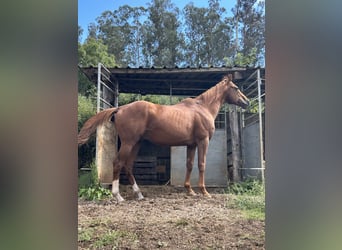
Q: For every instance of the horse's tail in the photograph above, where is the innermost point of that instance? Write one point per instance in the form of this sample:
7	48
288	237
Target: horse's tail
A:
91	124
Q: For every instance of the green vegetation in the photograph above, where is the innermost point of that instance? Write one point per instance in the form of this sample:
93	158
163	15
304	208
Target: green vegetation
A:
112	238
249	197
182	222
93	51
86	109
89	187
95	192
85	235
101	239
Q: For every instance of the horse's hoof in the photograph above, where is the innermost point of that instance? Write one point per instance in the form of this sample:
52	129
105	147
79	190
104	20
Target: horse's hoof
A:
207	195
119	198
140	198
192	193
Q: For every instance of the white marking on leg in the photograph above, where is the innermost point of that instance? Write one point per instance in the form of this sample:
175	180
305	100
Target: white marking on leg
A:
136	190
135	187
115	191
115	187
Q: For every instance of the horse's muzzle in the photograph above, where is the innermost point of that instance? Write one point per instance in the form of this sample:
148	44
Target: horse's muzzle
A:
243	103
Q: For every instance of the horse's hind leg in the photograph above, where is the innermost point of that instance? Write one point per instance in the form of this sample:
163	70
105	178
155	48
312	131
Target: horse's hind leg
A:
118	164
190	155
129	171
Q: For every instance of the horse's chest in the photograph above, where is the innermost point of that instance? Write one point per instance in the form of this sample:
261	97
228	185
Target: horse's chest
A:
205	128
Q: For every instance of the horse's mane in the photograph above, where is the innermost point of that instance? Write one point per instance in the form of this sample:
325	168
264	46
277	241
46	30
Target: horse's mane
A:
211	94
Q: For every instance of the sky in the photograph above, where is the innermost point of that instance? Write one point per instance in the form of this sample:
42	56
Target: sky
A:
89	10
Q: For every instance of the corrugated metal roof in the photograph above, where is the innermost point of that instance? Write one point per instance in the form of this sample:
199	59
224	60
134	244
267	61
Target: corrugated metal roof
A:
180	81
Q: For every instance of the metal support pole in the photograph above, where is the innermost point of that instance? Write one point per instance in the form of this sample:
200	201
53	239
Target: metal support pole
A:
242	116
260	129
116	94
98	87
98	109
170	92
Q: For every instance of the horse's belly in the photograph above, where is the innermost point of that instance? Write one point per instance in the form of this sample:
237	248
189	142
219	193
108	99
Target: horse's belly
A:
168	138
170	127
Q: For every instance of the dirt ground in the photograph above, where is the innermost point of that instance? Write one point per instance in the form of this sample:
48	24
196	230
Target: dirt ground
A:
167	219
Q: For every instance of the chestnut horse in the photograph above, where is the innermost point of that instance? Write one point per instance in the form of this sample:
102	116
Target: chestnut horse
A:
188	123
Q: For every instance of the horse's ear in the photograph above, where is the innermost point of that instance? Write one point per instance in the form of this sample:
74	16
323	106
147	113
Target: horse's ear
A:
230	77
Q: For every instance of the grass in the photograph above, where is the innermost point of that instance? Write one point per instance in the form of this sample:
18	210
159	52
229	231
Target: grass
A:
85	235
249	197
97	235
181	222
112	238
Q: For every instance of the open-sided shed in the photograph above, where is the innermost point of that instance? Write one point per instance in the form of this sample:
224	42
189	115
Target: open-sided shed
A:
164	81
154	163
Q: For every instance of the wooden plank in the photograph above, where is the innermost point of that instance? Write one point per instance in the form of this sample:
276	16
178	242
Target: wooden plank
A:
145	165
161	169
139	171
146	159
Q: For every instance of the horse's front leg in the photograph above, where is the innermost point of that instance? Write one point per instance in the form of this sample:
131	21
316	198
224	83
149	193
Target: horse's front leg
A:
118	164
190	155
202	154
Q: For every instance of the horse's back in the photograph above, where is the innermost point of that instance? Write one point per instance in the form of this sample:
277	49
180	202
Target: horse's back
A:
178	124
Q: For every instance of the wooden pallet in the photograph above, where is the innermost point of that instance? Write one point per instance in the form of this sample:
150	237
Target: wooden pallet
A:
144	171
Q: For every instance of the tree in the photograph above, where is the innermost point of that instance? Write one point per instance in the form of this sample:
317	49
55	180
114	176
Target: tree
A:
90	53
94	51
208	35
250	21
92	31
120	30
218	34
194	34
80	33
161	35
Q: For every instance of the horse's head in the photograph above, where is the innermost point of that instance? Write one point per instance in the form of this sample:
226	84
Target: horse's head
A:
233	94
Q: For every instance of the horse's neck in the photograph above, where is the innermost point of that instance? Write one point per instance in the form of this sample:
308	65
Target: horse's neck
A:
212	99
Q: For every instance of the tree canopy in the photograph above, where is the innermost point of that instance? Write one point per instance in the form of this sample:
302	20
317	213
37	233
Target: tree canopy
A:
160	34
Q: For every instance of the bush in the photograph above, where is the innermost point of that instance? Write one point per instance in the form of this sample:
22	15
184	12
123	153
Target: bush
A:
88	178
94	193
86	109
89	186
